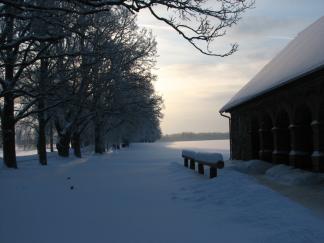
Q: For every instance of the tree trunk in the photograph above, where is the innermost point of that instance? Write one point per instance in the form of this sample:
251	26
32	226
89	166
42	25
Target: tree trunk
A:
76	144
8	112
8	132
63	145
51	135
41	143
98	120
99	139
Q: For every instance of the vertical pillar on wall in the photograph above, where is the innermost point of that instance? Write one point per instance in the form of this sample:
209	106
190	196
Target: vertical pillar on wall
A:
318	145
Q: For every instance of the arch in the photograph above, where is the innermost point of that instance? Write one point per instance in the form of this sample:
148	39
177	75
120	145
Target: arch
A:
321	108
266	139
281	137
301	138
318	137
255	141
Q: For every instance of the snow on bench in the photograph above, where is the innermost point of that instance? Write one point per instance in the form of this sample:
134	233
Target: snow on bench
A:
188	153
213	160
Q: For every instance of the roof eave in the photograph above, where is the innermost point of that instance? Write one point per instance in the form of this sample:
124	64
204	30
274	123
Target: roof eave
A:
272	89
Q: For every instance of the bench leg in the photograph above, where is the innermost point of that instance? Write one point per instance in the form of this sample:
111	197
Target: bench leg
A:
186	162
192	164
200	168
213	172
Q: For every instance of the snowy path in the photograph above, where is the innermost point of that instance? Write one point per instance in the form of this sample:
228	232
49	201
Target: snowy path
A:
143	194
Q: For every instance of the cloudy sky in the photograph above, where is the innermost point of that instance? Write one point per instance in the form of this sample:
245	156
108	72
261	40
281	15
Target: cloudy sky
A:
195	87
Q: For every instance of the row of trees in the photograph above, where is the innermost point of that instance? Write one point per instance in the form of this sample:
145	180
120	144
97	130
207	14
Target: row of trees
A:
85	67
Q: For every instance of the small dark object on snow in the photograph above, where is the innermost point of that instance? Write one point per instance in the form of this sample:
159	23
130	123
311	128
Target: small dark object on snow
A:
69	178
71	187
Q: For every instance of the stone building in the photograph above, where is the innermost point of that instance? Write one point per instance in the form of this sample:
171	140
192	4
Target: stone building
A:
279	115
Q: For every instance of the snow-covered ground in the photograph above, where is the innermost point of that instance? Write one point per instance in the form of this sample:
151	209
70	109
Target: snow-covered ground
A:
21	152
144	194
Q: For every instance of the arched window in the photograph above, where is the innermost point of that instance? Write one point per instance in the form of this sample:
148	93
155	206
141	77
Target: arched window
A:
255	142
301	138
281	137
318	138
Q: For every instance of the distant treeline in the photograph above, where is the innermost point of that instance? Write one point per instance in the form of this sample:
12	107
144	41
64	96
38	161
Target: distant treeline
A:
190	136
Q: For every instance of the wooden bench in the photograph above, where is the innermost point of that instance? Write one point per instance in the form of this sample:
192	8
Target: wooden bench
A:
213	160
188	156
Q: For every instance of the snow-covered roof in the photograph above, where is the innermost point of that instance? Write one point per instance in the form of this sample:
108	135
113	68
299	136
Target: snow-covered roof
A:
302	55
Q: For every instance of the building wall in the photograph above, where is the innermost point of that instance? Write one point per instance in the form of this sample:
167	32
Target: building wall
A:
241	135
283	126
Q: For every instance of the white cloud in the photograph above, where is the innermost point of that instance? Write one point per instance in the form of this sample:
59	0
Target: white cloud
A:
195	86
156	27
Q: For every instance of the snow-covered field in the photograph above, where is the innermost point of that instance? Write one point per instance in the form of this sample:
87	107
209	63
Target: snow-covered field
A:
144	194
21	152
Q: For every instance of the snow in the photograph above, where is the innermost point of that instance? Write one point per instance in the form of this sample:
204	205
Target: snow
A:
202	156
293	176
144	194
21	152
209	157
257	167
279	173
302	55
189	153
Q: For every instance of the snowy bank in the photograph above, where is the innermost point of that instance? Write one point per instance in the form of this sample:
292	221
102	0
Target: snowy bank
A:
142	195
250	167
293	176
281	173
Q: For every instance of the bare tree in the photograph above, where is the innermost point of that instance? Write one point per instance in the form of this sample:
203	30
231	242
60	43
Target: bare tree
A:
200	22
29	30
23	40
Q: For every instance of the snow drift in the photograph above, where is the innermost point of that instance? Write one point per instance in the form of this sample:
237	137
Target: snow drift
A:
293	176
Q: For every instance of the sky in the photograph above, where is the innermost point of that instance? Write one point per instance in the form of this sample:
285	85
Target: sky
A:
195	86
